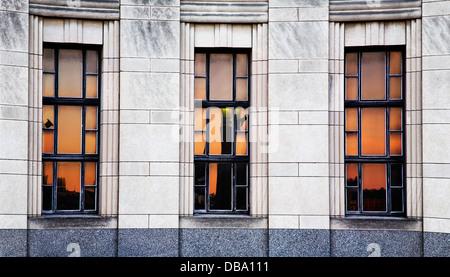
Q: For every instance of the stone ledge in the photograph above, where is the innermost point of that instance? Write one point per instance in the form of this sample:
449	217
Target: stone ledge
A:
71	222
223	221
376	223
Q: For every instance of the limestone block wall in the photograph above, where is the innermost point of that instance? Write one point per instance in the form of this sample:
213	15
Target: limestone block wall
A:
14	29
436	122
298	114
149	103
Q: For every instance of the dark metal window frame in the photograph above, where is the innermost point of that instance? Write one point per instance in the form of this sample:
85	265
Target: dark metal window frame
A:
56	101
232	158
387	104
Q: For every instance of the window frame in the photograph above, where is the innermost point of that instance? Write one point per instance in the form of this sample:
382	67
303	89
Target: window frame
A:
387	104
82	102
232	158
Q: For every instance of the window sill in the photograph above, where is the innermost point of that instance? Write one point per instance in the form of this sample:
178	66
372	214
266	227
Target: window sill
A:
376	223
223	221
46	222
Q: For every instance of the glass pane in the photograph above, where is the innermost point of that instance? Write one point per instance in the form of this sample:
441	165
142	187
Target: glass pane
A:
397	200
352	175
70	73
200	88
90	173
221	77
68	186
47	198
69	129
91	143
200	119
396	143
200	143
91	118
241	65
241	174
373	131
352	199
48	116
351	91
351	64
395	119
351	144
220	183
241	144
91	86
351	119
241	198
199	174
48	84
221	131
395	88
199	198
373	75
241	119
374	187
396	175
47	141
200	64
48	173
395	62
89	198
49	60
241	89
91	61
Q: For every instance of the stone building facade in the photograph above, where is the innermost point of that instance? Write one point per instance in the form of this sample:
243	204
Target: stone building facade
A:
295	71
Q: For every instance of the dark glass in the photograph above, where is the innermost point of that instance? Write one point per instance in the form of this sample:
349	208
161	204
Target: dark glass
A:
352	199
199	174
47	198
396	175
89	198
220	183
397	200
241	174
199	198
241	198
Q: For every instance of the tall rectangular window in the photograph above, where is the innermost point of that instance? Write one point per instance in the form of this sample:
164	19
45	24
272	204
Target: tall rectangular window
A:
70	153
374	131
221	132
